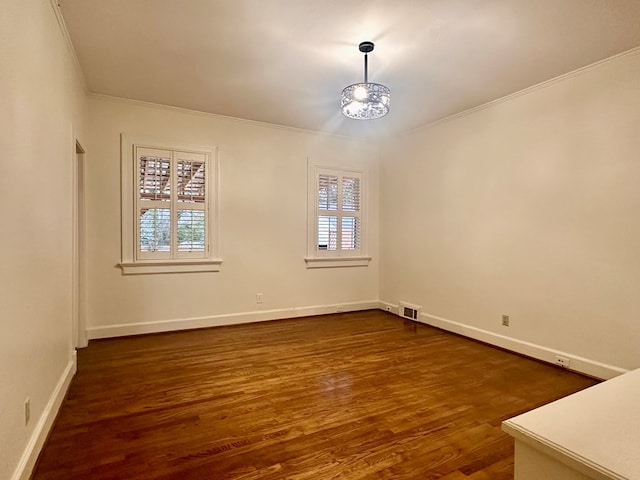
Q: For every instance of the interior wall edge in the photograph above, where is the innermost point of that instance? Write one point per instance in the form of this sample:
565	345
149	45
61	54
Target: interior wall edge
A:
579	364
67	39
161	326
45	422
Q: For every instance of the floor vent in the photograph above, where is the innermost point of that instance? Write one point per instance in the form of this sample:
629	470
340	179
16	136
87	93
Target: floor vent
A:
411	312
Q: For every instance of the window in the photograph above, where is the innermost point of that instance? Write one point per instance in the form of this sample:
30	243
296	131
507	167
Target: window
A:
173	209
336	220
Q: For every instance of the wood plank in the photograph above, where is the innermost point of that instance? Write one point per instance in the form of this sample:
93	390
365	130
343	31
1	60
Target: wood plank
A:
351	396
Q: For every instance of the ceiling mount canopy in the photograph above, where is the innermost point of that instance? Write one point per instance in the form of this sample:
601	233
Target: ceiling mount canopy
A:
367	100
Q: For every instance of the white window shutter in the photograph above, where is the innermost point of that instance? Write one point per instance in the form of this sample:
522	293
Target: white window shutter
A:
338	213
172	212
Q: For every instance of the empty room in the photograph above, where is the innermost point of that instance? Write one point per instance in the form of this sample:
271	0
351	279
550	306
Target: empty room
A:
292	239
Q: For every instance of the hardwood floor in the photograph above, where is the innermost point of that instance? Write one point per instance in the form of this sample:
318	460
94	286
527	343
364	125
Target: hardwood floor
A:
347	396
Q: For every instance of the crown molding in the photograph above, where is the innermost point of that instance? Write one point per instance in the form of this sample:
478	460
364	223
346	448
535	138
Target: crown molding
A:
245	121
525	91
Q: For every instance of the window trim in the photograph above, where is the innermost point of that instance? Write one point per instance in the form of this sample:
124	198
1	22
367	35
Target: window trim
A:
130	264
343	258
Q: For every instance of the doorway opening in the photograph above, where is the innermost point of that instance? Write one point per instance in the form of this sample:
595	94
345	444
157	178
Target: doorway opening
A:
79	250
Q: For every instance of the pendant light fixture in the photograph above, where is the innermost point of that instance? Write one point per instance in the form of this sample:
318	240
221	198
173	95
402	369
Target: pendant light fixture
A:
365	101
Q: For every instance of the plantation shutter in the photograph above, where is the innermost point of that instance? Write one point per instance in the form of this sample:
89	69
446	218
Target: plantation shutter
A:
171	204
338	220
154	203
351	213
327	212
191	202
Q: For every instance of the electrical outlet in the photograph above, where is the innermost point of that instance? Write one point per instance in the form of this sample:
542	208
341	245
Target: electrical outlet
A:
258	298
563	362
505	320
27	410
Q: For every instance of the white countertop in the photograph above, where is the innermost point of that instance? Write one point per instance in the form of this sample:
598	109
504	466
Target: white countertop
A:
596	431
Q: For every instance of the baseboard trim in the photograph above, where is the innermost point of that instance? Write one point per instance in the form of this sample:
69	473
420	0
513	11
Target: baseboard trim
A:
579	364
160	326
28	461
539	352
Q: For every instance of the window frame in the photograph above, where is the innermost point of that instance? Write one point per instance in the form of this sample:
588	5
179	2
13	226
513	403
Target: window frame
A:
132	260
317	258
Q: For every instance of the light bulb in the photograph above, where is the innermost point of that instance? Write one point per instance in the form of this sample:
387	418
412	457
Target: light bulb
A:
360	93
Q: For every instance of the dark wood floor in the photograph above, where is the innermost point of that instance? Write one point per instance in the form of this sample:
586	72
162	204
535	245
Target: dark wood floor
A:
348	396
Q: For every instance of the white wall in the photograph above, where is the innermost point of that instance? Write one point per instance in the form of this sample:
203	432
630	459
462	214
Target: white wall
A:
529	207
41	97
263	212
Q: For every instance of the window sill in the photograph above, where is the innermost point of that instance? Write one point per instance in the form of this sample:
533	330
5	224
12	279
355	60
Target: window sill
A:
332	262
146	267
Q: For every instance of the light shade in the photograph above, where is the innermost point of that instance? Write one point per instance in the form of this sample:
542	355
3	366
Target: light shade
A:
365	101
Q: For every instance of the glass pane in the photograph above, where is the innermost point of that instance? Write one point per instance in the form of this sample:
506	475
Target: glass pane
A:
350	233
155	175
327	233
351	194
155	229
191	231
327	192
191	184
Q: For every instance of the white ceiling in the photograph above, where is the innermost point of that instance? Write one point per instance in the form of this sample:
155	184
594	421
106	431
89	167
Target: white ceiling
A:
286	61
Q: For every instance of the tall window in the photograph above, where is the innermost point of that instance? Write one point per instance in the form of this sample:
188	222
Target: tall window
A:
337	227
173	210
